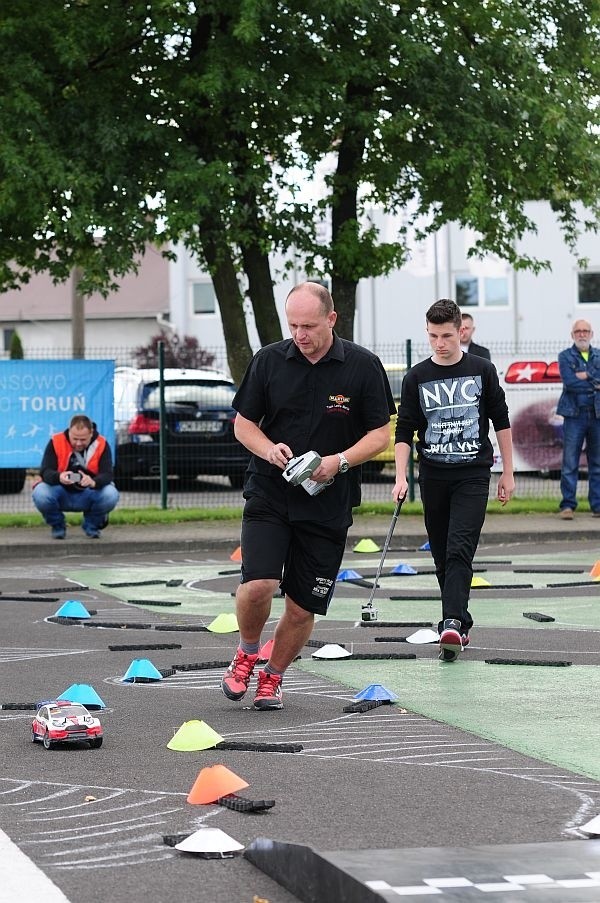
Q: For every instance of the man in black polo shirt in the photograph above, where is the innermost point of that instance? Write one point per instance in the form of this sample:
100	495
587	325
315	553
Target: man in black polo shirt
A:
313	392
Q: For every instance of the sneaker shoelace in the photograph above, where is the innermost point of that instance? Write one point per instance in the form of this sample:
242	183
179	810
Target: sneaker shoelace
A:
268	684
243	665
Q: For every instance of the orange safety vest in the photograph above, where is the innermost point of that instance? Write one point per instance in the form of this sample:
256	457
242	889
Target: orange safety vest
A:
92	454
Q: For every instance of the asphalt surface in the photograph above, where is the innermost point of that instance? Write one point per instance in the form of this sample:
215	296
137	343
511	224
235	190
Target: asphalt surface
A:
391	777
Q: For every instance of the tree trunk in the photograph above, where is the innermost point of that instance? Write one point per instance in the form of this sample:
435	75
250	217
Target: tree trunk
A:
217	254
260	289
344	299
227	290
343	226
254	254
344	213
77	316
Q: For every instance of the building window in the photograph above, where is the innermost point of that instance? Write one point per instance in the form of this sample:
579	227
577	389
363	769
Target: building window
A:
481	291
467	291
204	300
495	291
588	288
8	334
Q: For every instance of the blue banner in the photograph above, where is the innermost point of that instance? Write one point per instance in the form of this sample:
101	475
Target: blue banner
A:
38	399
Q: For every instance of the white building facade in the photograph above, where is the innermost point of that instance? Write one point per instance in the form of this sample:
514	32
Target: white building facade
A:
512	309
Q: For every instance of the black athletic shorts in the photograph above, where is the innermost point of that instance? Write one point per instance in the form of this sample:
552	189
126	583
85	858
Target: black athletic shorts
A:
305	557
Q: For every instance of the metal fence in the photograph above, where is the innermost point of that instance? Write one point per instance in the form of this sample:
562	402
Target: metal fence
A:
217	493
527	373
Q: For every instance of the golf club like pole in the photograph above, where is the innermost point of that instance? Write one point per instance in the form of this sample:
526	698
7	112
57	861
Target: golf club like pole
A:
386	544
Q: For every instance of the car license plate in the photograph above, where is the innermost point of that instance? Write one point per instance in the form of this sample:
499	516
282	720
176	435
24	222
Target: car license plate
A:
200	426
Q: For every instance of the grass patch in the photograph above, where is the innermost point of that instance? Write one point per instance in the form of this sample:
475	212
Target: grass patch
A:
133	516
515	506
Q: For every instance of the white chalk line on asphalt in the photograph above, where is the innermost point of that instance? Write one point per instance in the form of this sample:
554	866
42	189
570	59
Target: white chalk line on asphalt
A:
21	654
75	840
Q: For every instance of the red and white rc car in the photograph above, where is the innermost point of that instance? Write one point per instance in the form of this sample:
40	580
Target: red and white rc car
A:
61	721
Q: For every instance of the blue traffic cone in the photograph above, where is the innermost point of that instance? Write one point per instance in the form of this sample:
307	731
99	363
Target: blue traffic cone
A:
141	669
403	569
348	574
376	691
72	609
83	694
425	547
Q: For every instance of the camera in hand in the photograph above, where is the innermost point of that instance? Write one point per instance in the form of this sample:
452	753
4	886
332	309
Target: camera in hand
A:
299	470
74	477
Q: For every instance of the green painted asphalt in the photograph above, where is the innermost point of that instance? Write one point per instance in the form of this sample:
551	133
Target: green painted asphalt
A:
204	602
552	714
488	612
200	601
577	612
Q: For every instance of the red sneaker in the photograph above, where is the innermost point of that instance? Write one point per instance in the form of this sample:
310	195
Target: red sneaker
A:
237	677
268	694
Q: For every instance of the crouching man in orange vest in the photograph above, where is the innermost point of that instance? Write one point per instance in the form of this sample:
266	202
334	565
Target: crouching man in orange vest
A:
76	474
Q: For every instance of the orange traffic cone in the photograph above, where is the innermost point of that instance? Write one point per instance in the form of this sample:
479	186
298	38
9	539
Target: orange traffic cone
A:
264	653
214	782
236	555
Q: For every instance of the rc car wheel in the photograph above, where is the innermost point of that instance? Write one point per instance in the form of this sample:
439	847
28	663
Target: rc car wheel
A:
33	736
48	744
96	743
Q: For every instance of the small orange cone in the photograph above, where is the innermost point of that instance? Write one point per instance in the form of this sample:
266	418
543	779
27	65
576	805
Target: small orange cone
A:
595	572
214	782
264	653
236	555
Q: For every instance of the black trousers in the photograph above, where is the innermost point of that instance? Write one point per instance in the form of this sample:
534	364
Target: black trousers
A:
454	515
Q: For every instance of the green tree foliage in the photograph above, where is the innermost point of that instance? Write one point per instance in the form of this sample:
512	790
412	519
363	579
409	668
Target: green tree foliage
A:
185	353
16	347
124	123
455	112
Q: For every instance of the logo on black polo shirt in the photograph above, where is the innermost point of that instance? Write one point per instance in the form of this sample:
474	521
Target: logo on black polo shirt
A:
338	404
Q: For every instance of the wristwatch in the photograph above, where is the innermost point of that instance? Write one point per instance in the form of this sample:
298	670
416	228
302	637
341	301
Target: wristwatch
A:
344	465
